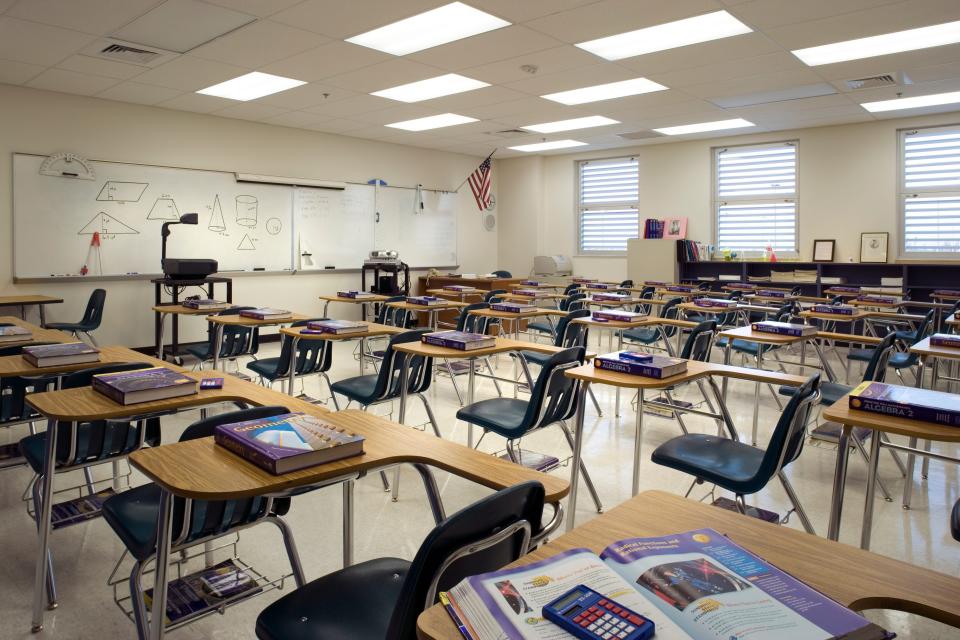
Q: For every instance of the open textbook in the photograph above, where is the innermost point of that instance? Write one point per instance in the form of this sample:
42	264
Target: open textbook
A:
696	585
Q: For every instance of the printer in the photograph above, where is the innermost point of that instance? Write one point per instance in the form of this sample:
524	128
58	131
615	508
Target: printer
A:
552	265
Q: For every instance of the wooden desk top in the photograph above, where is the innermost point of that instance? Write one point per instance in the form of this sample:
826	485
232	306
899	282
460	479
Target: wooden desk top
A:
853	577
542	285
236	320
696	293
939	296
613	303
503	345
448	292
747	333
848	337
506	315
17	366
541	295
373	330
202	470
841	412
696	370
924	348
836	317
39	334
14	301
613	324
371	298
690	306
893	315
874	305
422	308
180	310
842	294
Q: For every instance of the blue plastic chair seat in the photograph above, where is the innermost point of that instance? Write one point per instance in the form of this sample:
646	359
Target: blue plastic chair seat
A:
542	327
902	360
699	317
830	392
726	463
861	355
742	346
266	367
503	416
359	388
361	598
646	336
133	516
199	351
536	357
66	326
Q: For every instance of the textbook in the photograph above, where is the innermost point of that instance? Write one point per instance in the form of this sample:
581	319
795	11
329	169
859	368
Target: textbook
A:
204	590
529	293
949	340
338	327
583	280
835	309
459	340
611	297
655	283
878	299
266	313
354	294
715	303
426	301
458	287
696	585
604	285
511	307
531	283
741	286
771	293
784	328
843	289
641	364
911	403
617	315
144	385
288	442
58	355
679	288
14	333
205	303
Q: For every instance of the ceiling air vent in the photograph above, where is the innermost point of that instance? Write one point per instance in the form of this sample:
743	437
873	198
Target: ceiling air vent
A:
508	133
128	52
898	79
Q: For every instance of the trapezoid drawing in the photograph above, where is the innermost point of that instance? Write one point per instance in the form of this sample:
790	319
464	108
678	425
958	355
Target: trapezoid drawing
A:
116	191
105	224
164	209
217	222
246	244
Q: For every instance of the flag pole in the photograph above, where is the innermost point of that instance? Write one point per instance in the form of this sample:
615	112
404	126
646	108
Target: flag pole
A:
471	173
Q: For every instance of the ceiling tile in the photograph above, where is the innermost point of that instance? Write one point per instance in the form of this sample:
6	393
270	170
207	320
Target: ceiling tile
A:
350	107
249	111
6	4
547	62
261	8
383	75
766	14
18	72
753	84
196	102
190	74
294	119
889	64
97	17
492	46
307	95
99	67
778	61
539	85
689	110
611	17
934	72
35	43
71	82
181	25
734	49
326	60
526	105
259	43
339	19
514	11
138	93
393	114
470	100
335	125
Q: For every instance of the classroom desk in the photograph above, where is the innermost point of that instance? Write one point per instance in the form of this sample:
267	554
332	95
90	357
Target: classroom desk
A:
541	296
24	301
516	319
872	304
425	283
539	285
841	413
856	579
462	294
696	372
236	320
164	310
373	298
174	287
432	311
625	302
38	334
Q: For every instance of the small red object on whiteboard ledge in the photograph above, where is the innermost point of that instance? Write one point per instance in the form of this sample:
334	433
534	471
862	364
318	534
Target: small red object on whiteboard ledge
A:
95	240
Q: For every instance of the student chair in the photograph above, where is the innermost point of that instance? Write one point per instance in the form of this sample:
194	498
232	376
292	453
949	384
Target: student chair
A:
571	288
553	400
390	316
903	336
493	295
14	390
645	308
90	322
380	599
236	341
626	284
469	323
502	273
955	521
649	336
739	467
546	326
133	516
313	357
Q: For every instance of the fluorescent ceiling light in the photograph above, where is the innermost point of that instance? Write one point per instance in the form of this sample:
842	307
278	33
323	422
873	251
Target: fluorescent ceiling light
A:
912	103
568	125
670	35
607	91
896	42
701	127
251	86
431	88
548	146
432	122
438	26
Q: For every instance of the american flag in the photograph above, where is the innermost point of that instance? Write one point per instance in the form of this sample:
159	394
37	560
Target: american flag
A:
480	183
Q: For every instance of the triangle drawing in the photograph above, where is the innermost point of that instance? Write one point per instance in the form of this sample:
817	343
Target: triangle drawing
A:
217	223
246	244
164	209
105	224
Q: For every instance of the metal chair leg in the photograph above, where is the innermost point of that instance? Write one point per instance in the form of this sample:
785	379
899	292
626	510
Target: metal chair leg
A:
583	470
795	501
430	416
453	379
333	396
858	443
677	414
896	457
92	341
596	405
137	602
496	384
291	547
51	580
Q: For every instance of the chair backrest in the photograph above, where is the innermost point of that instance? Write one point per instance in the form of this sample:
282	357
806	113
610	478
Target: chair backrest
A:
573	302
502	273
235	340
876	370
671	311
572	334
573	286
554	395
646	294
730	317
482	537
14	389
419	371
700	341
94	311
786	443
470	322
313	356
392	316
493	295
627	284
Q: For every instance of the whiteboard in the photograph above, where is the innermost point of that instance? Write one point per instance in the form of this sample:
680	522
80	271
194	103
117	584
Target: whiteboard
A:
242	226
424	237
334	228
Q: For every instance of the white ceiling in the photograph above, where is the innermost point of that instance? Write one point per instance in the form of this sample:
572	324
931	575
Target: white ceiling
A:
41	43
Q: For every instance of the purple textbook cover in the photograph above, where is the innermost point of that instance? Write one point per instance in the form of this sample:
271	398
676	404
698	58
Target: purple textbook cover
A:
771	293
59	350
511	307
784	328
425	301
656	367
461	340
603	285
337	326
457	287
265	313
834	309
611	297
949	340
679	288
843	289
741	286
716	303
353	294
530	283
529	293
877	299
907	402
584	280
617	315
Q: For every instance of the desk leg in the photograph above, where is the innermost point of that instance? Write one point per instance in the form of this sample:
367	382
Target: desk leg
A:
726	360
871	490
363	350
433	493
404	374
756	397
471	384
292	374
638	441
616	401
827	369
164	528
912	459
326	305
218	338
722	406
43	316
347	523
839	483
577	450
44	514
163	318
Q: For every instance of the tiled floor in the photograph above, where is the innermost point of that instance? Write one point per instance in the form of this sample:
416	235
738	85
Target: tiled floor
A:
85	554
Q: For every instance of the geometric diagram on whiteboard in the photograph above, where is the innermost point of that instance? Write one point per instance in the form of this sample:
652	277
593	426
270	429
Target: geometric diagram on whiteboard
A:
164	209
246	244
114	191
105	224
489	222
67	165
273	226
247	210
217	222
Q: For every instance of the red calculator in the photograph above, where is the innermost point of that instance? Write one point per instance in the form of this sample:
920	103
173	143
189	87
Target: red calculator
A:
584	613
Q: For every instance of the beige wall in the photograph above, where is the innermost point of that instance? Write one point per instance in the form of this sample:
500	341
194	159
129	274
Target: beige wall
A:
44	122
847	184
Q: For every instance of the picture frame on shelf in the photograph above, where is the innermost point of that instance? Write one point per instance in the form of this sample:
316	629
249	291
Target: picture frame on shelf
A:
823	250
873	247
675	229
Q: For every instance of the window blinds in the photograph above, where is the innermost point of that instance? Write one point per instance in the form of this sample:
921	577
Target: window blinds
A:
930	190
608	195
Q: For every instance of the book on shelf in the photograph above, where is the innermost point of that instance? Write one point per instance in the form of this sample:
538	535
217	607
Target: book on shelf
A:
288	442
831	280
611	297
532	460
730	278
715	303
266	313
948	340
58	355
205	303
205	590
86	507
14	333
656	406
737	286
653	228
511	307
758	278
927	405
653	367
617	315
426	301
784	328
338	327
892	282
144	385
461	340
695	585
457	287
835	309
693	251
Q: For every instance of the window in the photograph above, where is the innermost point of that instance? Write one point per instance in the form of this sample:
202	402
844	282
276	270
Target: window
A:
755	197
607	205
930	191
